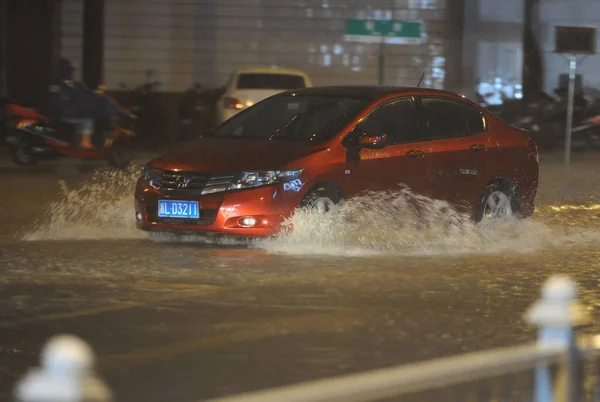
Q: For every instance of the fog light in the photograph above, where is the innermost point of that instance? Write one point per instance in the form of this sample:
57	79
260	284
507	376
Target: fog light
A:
138	216
248	221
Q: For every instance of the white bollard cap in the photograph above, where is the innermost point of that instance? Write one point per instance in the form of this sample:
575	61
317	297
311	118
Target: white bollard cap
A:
66	374
558	307
67	354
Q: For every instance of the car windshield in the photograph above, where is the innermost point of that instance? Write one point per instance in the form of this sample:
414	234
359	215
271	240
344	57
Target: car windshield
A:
270	81
292	118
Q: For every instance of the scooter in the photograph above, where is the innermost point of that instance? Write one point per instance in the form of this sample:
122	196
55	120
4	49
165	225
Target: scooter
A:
591	128
32	137
545	119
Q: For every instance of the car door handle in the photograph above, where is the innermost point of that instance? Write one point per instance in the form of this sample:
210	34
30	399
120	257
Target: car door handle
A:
477	147
415	154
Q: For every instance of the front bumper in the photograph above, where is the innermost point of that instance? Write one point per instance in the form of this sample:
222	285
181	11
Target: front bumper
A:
219	213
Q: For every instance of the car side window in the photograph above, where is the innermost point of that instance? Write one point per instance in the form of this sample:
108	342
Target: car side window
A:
397	118
447	118
476	122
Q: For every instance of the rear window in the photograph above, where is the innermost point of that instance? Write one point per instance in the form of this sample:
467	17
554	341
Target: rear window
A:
270	81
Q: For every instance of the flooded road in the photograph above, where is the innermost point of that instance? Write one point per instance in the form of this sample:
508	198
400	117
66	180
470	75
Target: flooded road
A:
190	320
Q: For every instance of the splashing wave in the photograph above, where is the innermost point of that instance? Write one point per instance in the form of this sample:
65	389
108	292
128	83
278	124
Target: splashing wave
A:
377	223
100	209
399	222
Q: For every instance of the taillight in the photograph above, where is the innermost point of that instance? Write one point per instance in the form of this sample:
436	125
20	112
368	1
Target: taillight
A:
532	151
232	103
21	124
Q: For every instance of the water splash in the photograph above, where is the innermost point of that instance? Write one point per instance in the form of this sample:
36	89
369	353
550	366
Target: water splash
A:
400	222
377	223
102	208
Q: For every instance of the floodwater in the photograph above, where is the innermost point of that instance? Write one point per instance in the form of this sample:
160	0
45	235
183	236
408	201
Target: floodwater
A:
386	279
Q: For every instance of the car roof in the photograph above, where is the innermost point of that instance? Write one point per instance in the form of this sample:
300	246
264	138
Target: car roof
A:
270	70
368	92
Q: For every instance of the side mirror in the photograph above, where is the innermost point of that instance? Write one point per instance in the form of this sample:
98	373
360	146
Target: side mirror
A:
373	141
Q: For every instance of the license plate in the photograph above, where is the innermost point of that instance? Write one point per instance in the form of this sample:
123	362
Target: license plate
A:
178	209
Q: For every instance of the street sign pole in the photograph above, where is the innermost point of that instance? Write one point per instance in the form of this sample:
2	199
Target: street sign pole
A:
571	41
570	102
381	75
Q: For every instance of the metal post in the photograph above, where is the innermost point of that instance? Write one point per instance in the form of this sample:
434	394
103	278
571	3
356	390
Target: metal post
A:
571	96
558	314
66	374
381	78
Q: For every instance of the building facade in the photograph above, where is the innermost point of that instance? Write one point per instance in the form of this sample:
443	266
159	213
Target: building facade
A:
493	45
187	41
470	45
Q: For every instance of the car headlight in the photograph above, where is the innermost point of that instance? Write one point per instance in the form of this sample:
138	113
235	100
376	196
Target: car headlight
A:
152	177
265	178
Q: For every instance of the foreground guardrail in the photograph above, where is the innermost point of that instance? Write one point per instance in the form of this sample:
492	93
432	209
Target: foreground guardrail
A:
558	367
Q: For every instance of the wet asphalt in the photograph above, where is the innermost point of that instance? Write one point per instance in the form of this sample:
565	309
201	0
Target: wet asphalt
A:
184	322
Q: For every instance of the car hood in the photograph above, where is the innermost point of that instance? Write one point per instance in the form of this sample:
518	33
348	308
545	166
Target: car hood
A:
232	155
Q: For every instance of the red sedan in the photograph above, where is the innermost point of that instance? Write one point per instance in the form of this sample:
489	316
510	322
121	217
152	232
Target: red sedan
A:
318	146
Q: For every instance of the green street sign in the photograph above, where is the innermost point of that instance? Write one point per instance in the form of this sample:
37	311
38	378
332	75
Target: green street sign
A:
380	31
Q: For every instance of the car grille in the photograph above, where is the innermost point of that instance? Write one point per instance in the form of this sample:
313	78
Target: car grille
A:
193	182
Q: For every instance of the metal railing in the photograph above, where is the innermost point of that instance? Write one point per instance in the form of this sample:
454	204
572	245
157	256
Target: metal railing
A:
558	367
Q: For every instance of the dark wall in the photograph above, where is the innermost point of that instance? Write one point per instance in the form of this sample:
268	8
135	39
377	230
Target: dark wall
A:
533	68
454	37
32	47
2	48
93	42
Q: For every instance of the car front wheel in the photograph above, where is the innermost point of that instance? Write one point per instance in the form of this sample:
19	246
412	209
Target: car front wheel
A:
322	199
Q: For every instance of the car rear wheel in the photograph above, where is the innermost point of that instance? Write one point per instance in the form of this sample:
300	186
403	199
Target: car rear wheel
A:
497	203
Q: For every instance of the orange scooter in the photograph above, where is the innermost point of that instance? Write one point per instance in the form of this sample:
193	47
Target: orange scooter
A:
33	137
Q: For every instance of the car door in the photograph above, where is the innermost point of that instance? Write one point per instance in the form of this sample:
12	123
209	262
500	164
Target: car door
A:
458	145
403	160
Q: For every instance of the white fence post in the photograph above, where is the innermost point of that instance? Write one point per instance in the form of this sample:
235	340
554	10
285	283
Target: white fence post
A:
66	375
558	314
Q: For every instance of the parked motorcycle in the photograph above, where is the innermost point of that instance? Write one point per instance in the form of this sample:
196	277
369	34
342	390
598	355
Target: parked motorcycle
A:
139	100
143	102
194	114
546	118
590	125
32	136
